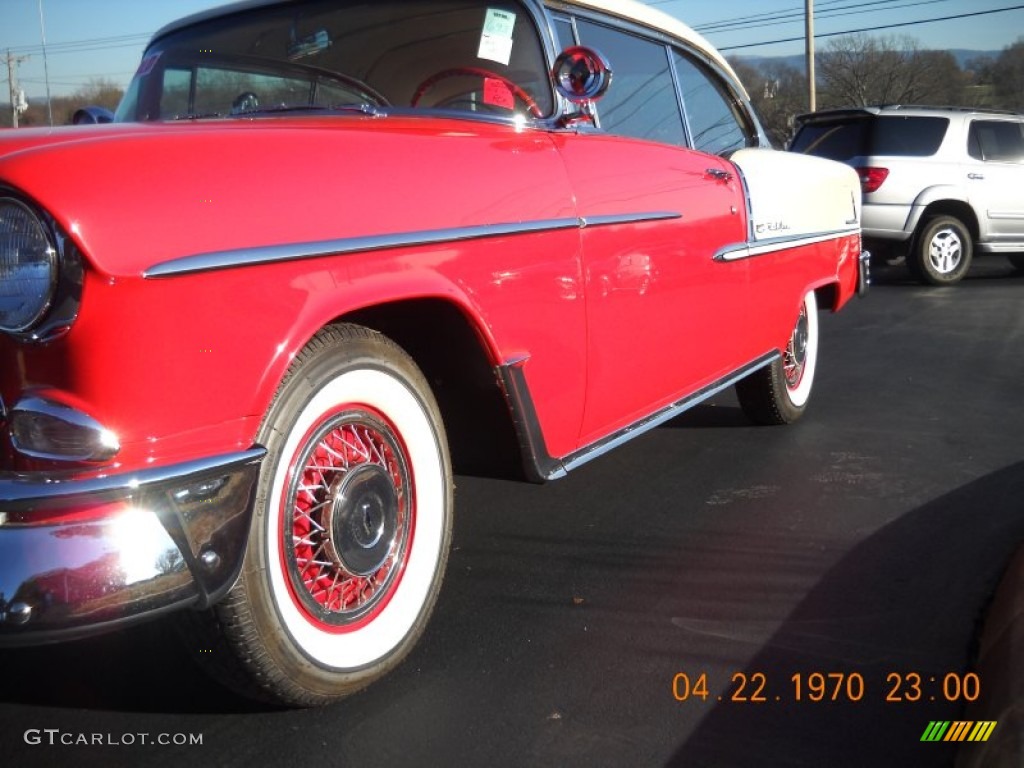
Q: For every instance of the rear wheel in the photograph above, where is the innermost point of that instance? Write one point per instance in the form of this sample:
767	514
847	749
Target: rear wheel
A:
779	393
942	251
351	530
1016	261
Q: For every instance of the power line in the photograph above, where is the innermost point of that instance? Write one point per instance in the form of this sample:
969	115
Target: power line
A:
875	28
89	44
791	17
788	13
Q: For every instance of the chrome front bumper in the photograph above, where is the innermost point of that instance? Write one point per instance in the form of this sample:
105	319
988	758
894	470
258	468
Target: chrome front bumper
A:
81	554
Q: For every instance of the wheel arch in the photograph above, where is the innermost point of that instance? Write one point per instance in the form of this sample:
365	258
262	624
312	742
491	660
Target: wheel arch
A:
827	296
457	356
454	355
959	209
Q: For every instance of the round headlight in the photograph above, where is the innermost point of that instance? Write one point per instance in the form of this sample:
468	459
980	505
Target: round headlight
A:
28	267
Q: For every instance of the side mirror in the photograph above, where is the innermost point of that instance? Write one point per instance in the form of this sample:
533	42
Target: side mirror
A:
581	75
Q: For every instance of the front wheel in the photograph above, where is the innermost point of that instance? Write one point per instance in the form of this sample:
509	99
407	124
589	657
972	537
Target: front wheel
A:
351	530
778	394
942	251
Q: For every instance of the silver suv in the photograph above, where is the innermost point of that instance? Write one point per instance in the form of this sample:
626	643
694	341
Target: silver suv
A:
939	184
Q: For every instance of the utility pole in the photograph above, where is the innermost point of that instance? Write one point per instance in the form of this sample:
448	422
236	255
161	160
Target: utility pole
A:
811	85
12	82
46	66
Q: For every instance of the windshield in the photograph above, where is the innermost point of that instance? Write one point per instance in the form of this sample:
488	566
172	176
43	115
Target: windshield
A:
483	57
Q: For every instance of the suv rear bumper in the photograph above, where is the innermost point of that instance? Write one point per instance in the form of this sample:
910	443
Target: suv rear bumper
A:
888	222
81	553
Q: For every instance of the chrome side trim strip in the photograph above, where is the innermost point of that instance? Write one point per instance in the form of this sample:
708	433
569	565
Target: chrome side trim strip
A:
204	262
747	250
540	465
668	413
627	218
269	254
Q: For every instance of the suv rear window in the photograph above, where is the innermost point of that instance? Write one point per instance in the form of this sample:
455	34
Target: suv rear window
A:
863	136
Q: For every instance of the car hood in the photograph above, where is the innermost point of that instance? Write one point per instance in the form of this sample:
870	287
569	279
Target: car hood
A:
28	139
136	195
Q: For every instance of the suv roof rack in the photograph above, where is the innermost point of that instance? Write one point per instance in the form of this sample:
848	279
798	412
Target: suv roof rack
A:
933	107
874	109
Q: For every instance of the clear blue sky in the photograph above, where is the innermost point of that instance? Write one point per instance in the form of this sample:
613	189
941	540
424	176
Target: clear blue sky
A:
104	38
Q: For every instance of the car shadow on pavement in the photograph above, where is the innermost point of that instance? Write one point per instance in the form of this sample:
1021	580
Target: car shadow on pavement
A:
145	668
907	601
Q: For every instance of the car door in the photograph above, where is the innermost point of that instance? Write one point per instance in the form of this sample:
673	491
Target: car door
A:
663	317
995	177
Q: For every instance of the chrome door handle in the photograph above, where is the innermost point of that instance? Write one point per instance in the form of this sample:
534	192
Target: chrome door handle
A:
976	176
719	174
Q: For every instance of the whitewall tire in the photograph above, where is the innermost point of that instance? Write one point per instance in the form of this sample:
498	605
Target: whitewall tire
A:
351	529
779	393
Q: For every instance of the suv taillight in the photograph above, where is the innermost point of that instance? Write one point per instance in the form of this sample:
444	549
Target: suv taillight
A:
871	178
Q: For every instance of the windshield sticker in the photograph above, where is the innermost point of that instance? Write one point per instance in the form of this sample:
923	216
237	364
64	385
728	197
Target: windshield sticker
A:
496	39
497	94
147	64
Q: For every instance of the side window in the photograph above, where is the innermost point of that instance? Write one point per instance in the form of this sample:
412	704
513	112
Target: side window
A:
998	141
642	100
908	136
715	120
228	91
175	94
563	33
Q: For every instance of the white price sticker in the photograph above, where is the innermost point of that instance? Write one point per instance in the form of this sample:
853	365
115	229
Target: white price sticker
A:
496	38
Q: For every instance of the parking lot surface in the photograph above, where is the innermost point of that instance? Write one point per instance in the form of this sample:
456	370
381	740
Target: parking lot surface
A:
712	594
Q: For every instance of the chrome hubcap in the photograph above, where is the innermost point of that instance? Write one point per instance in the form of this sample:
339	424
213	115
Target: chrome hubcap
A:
362	521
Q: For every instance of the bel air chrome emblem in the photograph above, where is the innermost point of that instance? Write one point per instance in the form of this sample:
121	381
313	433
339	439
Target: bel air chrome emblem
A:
772	226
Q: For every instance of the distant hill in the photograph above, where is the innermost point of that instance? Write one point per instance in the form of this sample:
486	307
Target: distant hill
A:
962	56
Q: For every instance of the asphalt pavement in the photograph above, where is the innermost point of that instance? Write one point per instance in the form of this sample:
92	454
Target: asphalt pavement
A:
712	594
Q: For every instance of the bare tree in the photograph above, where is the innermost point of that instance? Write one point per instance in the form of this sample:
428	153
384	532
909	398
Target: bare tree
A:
979	82
778	93
1008	76
858	70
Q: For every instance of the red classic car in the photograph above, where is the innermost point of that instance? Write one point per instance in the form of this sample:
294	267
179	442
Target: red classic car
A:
329	252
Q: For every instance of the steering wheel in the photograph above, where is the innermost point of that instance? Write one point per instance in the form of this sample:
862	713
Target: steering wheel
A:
365	89
518	92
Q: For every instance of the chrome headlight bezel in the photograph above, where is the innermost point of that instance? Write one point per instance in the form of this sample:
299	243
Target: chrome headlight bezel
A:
51	263
58	309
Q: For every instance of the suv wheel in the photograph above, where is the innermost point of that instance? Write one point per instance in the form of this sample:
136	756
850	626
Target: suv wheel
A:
1016	261
942	251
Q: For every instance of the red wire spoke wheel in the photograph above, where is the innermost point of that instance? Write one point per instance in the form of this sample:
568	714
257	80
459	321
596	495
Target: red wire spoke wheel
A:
349	515
779	393
351	529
